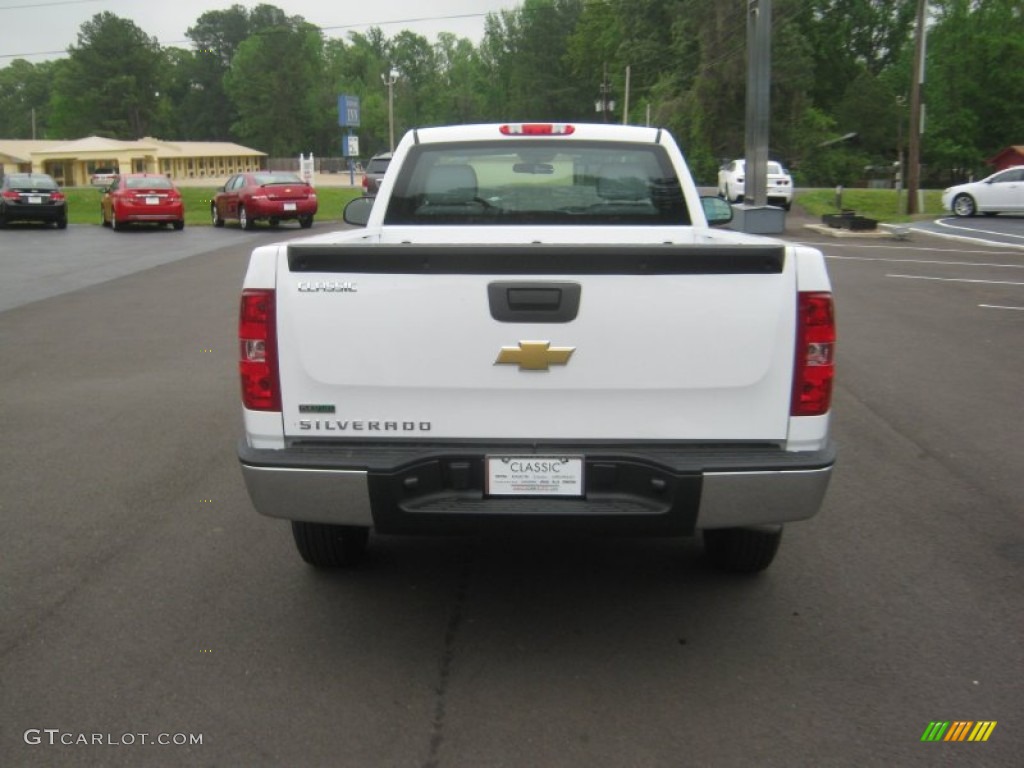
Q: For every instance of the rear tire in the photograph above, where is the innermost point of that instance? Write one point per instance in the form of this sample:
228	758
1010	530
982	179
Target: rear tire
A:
179	225
305	222
114	223
742	550
243	219
215	216
330	546
62	223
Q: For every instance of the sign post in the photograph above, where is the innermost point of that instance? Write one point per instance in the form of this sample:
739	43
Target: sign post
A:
348	117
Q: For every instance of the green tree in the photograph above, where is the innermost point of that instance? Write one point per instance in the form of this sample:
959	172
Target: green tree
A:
25	99
110	82
848	37
273	83
417	90
523	54
462	80
975	78
216	35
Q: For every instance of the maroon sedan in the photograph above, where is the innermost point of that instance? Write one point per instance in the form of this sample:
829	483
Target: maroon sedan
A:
264	195
142	197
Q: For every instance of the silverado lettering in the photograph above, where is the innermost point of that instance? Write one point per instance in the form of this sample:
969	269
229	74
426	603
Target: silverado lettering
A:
368	426
656	374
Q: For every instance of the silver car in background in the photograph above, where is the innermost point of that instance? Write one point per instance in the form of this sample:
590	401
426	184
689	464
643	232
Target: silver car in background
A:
374	173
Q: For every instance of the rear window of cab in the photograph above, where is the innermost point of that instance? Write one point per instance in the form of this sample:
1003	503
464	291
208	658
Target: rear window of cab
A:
536	182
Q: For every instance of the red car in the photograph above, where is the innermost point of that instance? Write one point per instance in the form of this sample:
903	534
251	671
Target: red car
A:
142	197
264	195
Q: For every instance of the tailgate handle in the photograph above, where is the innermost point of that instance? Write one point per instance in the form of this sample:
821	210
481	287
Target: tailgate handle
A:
534	302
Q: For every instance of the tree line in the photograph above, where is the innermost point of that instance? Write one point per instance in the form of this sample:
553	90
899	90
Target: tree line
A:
840	68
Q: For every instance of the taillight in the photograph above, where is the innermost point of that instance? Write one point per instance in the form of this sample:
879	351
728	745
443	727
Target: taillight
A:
538	129
10	194
815	350
57	196
366	182
257	341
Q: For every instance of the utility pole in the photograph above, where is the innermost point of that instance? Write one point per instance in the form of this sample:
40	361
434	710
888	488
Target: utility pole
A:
389	80
759	79
625	107
916	126
605	103
754	215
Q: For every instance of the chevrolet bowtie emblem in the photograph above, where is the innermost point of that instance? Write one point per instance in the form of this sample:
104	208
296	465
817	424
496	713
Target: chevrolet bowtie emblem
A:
534	355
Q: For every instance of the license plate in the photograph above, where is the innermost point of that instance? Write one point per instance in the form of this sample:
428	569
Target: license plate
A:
535	476
289	206
35	199
152	201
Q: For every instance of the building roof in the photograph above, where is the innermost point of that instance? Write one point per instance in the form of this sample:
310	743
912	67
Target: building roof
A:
1015	149
21	150
201	148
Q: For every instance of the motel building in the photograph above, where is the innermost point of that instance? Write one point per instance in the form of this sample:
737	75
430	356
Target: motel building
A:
71	163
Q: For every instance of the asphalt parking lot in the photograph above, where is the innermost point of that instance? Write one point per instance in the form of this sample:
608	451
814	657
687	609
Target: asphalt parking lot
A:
1001	230
142	595
39	262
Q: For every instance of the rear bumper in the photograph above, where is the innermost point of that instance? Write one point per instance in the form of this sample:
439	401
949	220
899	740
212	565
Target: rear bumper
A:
277	209
630	490
150	213
33	212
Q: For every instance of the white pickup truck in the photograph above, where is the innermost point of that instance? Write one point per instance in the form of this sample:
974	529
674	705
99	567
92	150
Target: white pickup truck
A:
536	328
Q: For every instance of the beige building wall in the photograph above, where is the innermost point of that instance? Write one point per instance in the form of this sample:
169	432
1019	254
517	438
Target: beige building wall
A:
73	163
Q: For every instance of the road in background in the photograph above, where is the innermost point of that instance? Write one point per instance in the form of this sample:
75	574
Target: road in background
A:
143	595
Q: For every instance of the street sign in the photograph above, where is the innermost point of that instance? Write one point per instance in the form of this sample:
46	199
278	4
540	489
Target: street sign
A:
348	111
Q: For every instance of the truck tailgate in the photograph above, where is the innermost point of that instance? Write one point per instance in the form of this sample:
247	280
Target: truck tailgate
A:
641	342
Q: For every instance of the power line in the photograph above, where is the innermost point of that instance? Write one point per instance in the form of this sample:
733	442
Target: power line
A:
45	5
421	19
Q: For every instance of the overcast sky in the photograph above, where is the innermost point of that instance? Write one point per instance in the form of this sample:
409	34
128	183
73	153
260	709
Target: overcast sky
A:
37	30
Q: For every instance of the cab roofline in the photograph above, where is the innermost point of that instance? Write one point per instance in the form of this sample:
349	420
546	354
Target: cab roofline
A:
492	132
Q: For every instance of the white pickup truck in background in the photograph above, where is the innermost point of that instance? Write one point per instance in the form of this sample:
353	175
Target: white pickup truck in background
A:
535	328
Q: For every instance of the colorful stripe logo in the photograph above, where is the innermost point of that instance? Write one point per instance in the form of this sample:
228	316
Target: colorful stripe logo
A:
958	730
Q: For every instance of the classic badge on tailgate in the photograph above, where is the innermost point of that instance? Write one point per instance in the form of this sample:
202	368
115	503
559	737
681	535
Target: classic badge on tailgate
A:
534	355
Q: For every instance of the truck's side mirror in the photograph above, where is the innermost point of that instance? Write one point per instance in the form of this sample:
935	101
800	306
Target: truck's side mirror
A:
357	212
716	211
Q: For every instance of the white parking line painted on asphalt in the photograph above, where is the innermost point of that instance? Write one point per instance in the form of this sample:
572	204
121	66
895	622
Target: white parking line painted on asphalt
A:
970	238
955	280
877	246
929	261
944	223
996	306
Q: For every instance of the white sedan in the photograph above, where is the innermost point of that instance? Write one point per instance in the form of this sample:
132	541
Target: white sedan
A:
731	183
1002	192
